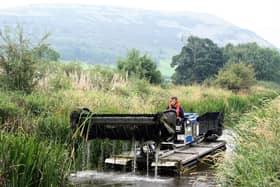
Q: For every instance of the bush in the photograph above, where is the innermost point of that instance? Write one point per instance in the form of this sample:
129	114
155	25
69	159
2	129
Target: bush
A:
19	60
236	76
140	66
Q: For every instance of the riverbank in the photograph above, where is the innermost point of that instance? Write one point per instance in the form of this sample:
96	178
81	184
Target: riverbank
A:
255	159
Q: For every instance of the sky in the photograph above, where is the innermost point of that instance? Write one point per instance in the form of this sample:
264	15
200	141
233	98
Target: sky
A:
259	16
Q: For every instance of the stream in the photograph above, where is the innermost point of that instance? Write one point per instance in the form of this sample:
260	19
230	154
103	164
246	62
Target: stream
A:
202	176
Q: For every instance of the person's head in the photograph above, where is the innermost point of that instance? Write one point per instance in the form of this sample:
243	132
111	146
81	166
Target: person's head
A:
173	101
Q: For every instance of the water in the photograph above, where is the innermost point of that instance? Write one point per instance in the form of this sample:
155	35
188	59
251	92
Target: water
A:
201	177
147	160
135	155
88	155
92	178
156	160
84	158
101	159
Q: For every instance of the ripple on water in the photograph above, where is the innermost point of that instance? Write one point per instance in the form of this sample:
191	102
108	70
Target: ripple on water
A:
200	178
92	178
114	176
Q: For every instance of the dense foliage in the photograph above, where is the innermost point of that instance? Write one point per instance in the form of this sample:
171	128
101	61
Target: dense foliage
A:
140	66
265	61
197	61
236	76
201	59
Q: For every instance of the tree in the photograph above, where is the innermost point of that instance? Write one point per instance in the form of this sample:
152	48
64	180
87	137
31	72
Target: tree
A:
19	59
47	53
265	61
198	60
140	66
236	76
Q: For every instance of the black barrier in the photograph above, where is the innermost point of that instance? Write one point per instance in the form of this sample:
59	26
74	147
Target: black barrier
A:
211	123
141	127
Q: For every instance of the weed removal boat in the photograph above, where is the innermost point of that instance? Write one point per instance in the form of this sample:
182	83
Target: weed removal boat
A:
159	141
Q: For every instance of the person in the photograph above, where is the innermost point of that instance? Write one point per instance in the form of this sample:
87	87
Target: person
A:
175	105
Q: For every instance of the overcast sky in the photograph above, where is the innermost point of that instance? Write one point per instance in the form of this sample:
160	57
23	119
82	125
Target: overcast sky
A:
260	16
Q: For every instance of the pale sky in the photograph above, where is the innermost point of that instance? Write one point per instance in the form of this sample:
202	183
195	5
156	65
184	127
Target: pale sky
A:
260	16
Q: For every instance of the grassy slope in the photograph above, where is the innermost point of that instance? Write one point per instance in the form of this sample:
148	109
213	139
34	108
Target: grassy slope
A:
255	161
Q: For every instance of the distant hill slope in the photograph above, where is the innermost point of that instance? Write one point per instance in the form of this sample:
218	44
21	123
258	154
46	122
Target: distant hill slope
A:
99	34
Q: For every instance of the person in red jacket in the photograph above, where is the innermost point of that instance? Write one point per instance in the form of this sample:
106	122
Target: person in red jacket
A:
175	105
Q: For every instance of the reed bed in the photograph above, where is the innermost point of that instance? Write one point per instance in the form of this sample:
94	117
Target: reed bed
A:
255	160
27	162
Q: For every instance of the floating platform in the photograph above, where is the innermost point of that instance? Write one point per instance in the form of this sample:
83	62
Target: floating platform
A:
178	160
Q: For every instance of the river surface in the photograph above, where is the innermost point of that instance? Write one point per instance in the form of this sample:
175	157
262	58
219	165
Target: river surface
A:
93	178
201	177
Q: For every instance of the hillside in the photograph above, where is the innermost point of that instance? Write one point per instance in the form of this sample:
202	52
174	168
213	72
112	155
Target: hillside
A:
98	34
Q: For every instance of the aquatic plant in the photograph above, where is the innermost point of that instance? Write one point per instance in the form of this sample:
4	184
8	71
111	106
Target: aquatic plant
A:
27	162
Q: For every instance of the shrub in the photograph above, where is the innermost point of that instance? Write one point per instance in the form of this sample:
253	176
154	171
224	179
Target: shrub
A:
236	76
140	66
19	60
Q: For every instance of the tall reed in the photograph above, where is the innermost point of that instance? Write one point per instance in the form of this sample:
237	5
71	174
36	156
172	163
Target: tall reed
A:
255	161
27	162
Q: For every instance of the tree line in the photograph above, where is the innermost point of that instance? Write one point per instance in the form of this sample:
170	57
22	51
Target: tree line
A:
201	59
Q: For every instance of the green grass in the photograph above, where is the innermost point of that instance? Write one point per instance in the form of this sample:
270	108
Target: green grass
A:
255	161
